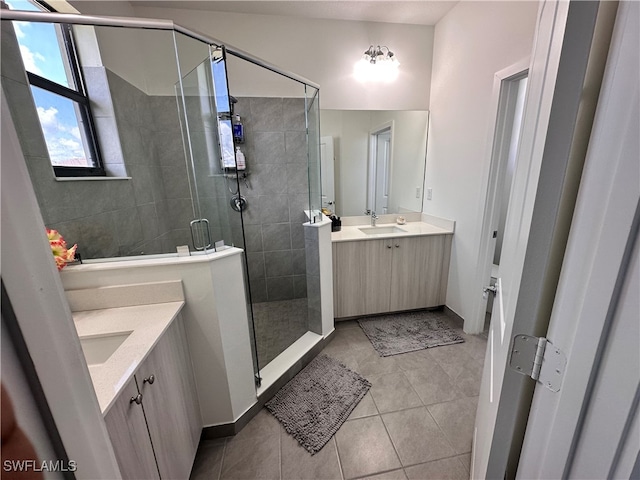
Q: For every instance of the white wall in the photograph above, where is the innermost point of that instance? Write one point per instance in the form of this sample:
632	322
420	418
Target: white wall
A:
324	51
472	42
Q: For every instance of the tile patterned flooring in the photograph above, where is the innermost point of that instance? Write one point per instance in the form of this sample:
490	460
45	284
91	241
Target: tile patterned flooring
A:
416	422
278	325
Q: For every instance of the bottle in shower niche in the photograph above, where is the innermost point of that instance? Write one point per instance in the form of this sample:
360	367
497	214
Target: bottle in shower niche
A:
238	130
241	162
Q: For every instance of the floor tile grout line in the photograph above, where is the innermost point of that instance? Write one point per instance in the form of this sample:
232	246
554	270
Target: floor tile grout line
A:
414	390
406	408
392	442
224	452
437	460
377	473
446	437
335	444
338	454
280	451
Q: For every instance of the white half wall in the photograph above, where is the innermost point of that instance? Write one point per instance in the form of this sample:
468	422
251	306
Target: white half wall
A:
324	51
472	42
215	316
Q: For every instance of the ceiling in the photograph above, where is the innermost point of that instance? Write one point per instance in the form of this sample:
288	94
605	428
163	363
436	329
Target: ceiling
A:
416	12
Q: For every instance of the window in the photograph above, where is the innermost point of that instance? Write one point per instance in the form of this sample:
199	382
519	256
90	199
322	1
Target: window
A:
51	62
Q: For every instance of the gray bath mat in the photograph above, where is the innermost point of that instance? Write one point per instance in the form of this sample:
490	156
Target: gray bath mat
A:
407	332
317	401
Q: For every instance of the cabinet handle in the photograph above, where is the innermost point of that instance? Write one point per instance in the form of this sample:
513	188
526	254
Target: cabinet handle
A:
388	246
150	379
137	399
397	246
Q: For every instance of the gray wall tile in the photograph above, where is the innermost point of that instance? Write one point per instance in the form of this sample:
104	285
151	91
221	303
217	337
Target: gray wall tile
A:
294	114
280	288
268	147
299	261
266	114
276	236
278	264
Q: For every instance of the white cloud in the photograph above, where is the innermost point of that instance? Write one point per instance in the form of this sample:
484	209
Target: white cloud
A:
29	58
63	141
67	142
18	26
48	116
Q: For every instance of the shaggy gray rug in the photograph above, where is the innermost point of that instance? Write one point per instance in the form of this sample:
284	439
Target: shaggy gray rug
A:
317	401
407	332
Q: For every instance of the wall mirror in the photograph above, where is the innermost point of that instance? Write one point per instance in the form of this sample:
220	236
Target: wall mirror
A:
373	159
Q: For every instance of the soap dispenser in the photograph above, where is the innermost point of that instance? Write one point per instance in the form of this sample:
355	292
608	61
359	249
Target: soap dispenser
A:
241	162
238	130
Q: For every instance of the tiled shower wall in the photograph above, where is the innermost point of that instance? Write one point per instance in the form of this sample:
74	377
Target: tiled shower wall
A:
277	195
151	211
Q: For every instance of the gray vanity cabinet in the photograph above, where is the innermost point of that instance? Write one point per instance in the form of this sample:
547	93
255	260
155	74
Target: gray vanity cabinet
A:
419	272
170	402
165	386
361	277
130	437
390	275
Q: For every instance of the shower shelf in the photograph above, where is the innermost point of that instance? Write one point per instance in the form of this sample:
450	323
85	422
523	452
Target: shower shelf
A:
243	174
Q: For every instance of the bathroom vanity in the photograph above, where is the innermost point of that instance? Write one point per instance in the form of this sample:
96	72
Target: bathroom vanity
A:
389	267
138	358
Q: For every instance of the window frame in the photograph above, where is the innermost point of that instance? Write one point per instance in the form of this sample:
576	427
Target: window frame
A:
80	97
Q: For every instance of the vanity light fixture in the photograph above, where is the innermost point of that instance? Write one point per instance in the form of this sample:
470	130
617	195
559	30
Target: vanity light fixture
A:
378	64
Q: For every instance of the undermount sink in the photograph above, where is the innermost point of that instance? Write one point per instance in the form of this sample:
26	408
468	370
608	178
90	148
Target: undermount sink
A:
98	349
381	230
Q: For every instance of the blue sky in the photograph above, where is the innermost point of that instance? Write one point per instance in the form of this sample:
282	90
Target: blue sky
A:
41	55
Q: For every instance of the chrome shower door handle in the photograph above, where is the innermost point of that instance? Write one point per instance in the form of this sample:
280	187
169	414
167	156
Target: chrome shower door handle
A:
200	221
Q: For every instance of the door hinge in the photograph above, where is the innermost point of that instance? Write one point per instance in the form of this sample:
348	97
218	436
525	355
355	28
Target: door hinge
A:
539	359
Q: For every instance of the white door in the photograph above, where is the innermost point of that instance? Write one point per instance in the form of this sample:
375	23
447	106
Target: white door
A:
595	431
383	159
327	169
555	127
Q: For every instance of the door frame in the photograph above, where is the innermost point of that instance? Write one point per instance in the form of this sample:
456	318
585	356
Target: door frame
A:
327	167
371	164
497	155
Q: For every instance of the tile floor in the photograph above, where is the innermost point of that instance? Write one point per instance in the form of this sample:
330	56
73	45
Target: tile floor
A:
278	325
416	422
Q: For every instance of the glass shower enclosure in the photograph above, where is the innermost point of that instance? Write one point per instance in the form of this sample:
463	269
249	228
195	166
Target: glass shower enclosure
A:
165	103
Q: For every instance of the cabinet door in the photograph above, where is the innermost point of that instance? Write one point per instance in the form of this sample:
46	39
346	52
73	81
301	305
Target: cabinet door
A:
171	403
420	272
130	437
362	276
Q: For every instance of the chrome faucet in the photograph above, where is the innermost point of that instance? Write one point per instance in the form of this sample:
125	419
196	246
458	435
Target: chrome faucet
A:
374	217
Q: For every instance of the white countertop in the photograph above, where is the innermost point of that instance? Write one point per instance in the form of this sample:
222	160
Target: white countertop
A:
147	324
411	229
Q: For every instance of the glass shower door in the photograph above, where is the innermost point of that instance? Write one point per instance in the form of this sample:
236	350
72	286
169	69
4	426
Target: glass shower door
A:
208	109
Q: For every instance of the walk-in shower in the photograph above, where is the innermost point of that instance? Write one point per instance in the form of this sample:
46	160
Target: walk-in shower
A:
165	102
